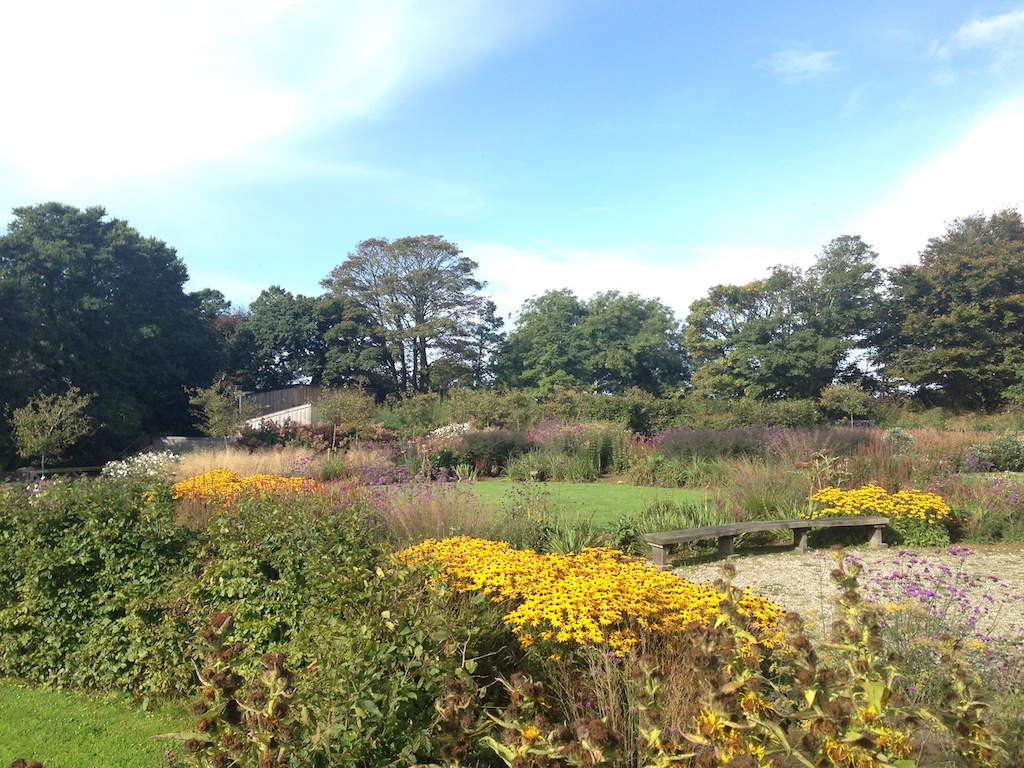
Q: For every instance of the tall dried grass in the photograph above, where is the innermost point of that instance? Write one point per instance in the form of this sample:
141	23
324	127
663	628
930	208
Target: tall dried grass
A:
277	461
419	511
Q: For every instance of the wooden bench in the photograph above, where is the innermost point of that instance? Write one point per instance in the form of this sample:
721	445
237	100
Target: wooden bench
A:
664	542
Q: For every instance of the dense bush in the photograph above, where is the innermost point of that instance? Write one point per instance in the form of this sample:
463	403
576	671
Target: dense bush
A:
88	570
267	434
748	412
1004	453
490	449
682	442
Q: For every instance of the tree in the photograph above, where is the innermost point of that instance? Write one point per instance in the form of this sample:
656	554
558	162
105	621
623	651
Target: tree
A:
791	334
954	327
280	342
89	299
610	344
419	294
221	408
48	425
845	399
288	339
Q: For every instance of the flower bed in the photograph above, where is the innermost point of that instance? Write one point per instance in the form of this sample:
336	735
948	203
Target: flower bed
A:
597	598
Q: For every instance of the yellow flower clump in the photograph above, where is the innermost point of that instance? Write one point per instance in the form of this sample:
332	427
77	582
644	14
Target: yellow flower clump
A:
872	500
595	598
223	484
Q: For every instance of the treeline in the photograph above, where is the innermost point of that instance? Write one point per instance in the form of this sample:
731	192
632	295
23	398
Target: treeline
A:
88	304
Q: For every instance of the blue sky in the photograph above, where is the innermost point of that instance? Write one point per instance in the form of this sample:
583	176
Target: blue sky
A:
651	147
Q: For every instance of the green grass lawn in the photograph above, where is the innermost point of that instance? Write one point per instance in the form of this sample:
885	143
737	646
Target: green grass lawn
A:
602	502
68	730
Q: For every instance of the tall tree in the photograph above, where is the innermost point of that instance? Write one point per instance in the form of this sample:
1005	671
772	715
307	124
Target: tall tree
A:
89	299
419	293
545	350
279	343
610	344
955	322
790	334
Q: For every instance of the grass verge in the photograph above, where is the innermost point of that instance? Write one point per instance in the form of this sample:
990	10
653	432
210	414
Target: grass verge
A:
61	729
601	502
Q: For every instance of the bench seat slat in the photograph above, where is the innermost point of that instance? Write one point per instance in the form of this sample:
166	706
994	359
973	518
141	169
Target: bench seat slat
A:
663	542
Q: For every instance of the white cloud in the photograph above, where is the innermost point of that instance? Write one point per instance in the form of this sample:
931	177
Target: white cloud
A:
796	64
982	173
993	31
516	274
120	90
1002	34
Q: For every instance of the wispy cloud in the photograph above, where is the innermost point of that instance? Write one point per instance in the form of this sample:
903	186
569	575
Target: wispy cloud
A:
794	64
119	90
1002	34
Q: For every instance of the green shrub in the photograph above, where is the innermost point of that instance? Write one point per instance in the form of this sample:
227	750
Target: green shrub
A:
490	449
683	442
514	409
1004	453
649	468
88	569
578	465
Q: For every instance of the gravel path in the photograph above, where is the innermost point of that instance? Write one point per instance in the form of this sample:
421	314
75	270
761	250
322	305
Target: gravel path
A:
799	581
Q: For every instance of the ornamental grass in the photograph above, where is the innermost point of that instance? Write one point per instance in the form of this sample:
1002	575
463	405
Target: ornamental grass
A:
597	598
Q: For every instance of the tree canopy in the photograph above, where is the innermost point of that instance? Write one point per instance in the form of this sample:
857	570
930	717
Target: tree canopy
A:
88	299
420	296
610	344
791	334
954	327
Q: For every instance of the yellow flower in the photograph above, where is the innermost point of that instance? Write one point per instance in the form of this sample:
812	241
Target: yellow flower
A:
595	598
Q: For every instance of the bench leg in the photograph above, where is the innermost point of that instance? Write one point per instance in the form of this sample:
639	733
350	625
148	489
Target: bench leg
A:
726	546
876	538
800	538
660	555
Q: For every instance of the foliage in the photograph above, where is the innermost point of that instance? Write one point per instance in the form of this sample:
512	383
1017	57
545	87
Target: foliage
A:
220	408
87	567
353	409
48	425
766	489
89	299
915	517
289	338
663	515
700	412
418	511
270	434
788	335
846	400
491	449
511	409
1004	453
681	442
607	345
419	296
239	724
986	509
955	321
929	607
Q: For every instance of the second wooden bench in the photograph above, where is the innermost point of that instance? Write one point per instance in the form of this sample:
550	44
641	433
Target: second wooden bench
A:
663	543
